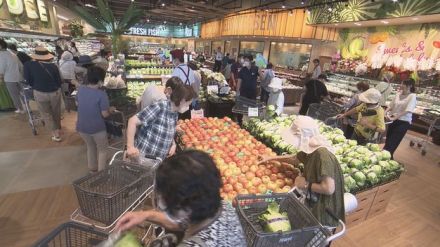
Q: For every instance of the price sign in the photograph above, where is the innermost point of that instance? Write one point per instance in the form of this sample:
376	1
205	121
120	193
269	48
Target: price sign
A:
212	89
197	114
253	111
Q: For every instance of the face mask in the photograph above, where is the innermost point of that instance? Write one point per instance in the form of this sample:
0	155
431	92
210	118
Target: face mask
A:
175	63
247	64
242	61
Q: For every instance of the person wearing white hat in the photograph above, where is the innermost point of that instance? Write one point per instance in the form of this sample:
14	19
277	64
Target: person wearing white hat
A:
276	95
322	177
371	116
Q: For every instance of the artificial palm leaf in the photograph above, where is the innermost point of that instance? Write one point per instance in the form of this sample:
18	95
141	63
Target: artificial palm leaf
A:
105	12
131	17
416	7
90	18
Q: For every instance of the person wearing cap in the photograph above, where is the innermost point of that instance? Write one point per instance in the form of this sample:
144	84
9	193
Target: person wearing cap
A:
322	178
354	101
371	116
11	73
182	70
44	77
315	92
276	95
67	69
84	62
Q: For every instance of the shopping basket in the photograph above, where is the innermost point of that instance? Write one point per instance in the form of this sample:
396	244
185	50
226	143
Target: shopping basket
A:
72	234
306	230
104	196
242	105
324	110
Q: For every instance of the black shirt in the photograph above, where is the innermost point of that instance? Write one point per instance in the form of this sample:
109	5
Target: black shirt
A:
315	90
248	78
42	76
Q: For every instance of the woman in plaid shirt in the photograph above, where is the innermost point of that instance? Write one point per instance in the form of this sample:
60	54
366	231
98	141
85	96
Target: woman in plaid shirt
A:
151	131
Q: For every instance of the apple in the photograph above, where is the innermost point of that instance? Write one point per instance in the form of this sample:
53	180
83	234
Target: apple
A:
242	179
273	177
238	186
232	195
289	181
227	173
228	188
265	179
253	168
281	175
271	186
256	181
224	196
243	192
275	170
244	169
280	183
259	173
286	189
250	175
262	188
252	190
267	172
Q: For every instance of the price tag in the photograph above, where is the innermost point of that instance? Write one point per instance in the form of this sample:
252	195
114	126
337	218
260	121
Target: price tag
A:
212	89
253	111
197	114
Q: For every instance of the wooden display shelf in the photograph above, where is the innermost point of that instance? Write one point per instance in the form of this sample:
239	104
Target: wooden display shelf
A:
382	198
365	200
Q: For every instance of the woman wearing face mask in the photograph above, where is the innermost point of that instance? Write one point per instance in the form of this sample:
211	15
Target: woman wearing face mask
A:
188	200
276	95
370	116
93	107
266	78
400	112
151	131
155	93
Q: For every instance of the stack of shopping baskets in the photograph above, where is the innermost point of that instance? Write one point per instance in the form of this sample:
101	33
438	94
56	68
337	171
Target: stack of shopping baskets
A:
103	198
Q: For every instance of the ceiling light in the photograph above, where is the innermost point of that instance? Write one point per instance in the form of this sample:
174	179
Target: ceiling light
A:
90	6
164	22
302	2
385	22
163	4
180	24
148	20
283	6
395	1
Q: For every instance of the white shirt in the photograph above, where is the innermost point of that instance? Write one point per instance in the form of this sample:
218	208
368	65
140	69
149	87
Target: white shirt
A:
151	95
407	104
10	67
385	89
316	72
67	69
197	82
218	56
184	72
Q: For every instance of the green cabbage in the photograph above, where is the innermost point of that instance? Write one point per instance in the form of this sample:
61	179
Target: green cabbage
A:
360	178
273	220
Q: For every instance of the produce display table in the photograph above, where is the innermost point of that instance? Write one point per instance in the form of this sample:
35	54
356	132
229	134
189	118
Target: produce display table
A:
292	96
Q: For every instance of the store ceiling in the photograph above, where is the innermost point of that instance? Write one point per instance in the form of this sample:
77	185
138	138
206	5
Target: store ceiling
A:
192	11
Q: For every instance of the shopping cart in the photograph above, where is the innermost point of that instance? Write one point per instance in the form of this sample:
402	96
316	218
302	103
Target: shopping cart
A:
306	230
116	125
34	116
107	195
324	110
434	123
243	104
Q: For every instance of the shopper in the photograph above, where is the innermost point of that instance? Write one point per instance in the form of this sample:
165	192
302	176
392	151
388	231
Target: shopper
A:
400	112
276	95
317	71
188	200
235	69
370	117
101	60
352	103
247	82
153	93
23	57
225	61
74	50
11	73
44	77
322	177
218	60
67	70
315	92
266	78
59	53
385	88
151	131
84	62
182	70
227	70
93	107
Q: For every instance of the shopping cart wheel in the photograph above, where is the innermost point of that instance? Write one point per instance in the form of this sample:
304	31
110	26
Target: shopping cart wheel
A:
423	152
411	144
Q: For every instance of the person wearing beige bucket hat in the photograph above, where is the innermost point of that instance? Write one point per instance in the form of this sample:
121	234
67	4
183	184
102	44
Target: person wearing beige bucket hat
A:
276	95
371	116
44	77
322	177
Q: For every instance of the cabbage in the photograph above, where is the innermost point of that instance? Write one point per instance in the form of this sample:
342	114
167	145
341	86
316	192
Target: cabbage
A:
349	183
355	163
394	165
339	139
360	178
372	178
385	155
373	147
128	240
275	221
352	143
385	165
377	169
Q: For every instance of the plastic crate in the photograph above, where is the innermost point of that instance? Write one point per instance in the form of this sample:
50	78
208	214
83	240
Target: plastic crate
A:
306	230
72	234
104	196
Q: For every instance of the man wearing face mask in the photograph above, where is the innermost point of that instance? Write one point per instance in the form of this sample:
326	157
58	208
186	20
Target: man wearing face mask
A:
151	131
181	70
218	60
247	79
235	68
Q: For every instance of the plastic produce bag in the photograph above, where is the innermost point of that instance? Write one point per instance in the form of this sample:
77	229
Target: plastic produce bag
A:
273	220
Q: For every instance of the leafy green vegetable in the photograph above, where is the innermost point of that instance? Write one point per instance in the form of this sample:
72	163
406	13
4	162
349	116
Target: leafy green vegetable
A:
273	220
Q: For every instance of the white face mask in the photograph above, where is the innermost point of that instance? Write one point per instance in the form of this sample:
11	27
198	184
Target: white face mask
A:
183	107
241	60
247	64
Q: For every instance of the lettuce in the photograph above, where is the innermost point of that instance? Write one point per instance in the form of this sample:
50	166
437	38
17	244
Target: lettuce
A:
273	220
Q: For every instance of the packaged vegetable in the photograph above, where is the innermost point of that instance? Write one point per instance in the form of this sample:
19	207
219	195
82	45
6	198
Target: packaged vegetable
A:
273	220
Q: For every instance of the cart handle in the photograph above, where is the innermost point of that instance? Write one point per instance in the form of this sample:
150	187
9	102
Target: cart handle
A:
340	222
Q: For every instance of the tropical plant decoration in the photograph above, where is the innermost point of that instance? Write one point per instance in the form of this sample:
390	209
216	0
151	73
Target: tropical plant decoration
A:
76	29
416	7
105	21
358	10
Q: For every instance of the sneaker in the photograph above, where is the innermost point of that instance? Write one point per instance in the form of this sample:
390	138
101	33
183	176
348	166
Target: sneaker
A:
56	138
